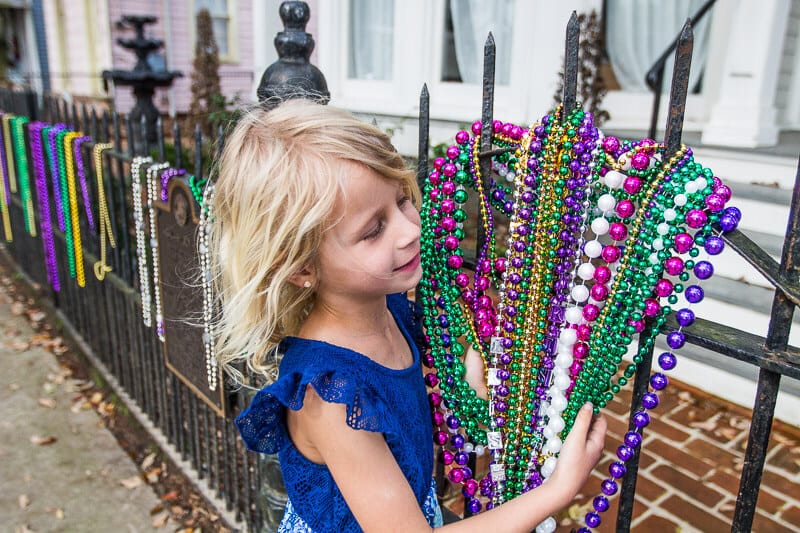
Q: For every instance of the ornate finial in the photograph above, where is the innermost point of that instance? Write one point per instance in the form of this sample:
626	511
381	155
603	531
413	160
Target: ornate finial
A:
292	76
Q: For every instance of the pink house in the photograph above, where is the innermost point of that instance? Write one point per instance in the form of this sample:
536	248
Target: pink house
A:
82	42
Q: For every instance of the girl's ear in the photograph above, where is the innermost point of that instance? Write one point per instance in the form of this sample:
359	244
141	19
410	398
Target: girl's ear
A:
303	278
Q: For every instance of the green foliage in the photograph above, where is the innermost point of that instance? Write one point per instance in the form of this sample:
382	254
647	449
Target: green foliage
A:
207	98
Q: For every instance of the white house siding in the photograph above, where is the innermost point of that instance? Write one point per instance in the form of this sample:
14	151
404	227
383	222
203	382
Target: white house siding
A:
787	96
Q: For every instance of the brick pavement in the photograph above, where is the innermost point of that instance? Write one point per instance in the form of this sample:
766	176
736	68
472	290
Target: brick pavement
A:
691	460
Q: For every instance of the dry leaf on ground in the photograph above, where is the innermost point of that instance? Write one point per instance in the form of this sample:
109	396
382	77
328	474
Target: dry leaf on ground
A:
131	482
58	512
50	403
161	520
43	441
23	501
148	461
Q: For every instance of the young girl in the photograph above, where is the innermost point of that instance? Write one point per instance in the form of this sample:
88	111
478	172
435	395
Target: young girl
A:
316	240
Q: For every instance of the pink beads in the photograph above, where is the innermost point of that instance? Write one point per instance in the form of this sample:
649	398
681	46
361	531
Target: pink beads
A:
610	253
632	184
453	151
618	231
462	137
625	208
640	161
651	307
602	274
673	266
696	218
663	288
683	243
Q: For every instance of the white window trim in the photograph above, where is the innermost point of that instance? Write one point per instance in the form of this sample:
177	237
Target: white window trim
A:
233	23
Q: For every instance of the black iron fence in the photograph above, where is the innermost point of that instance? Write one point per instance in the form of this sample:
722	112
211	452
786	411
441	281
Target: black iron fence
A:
107	314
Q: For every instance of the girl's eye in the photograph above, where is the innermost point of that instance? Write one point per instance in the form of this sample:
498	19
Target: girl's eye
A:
403	200
375	232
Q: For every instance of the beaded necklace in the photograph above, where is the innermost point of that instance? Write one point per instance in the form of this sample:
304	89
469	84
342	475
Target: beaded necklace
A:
74	242
9	155
596	231
101	267
204	232
5	192
153	184
45	222
141	248
51	149
18	125
81	172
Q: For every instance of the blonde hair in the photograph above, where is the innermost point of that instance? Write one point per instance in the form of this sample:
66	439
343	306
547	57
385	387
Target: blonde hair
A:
279	177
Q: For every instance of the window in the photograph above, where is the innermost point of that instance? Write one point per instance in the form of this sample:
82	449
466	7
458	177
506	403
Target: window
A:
220	21
466	25
371	39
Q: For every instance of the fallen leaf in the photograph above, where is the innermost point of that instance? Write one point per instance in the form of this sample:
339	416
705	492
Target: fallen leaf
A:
171	496
37	316
177	511
17	308
96	398
50	403
43	441
161	520
19	345
57	511
23	501
148	461
152	475
14	387
131	482
156	509
727	433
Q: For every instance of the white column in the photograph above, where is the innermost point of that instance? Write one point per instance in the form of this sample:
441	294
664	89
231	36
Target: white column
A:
266	24
744	114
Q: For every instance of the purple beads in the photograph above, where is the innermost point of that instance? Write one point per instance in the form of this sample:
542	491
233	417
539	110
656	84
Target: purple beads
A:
694	294
658	381
641	419
703	270
592	519
650	400
714	245
685	317
624	452
632	439
667	361
600	504
676	339
609	487
617	470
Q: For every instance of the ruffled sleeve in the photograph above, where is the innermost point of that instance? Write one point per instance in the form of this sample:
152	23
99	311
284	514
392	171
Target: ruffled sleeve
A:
324	367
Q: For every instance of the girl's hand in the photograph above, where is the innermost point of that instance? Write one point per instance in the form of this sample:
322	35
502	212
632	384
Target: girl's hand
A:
476	373
579	454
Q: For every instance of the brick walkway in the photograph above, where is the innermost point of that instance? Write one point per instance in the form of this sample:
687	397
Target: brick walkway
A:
691	460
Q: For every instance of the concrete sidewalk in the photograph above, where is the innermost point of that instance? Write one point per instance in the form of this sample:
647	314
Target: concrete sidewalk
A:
61	469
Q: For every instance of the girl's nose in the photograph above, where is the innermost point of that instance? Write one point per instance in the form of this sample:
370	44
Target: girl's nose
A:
409	230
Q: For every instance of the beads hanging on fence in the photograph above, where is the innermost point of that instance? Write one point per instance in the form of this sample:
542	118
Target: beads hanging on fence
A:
602	235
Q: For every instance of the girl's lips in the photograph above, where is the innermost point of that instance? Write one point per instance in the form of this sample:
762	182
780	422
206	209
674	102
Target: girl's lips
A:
411	265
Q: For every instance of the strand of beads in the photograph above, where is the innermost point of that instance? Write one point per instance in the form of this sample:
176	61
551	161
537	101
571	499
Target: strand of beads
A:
166	176
81	172
141	247
8	144
65	200
5	191
204	231
18	125
55	171
153	185
45	222
72	191
197	187
101	267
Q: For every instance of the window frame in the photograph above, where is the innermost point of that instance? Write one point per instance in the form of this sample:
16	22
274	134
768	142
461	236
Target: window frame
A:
232	44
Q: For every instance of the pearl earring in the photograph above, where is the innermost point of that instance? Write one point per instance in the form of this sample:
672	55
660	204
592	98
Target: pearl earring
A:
307	284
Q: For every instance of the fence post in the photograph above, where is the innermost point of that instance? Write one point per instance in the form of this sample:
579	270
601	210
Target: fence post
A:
292	76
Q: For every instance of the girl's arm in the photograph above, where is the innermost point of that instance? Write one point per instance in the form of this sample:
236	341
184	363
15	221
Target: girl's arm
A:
381	499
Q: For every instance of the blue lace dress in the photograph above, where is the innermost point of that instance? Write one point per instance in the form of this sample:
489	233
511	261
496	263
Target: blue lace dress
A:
380	399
